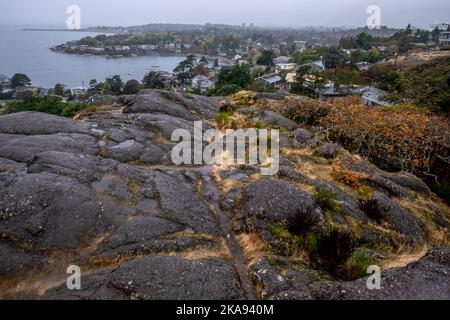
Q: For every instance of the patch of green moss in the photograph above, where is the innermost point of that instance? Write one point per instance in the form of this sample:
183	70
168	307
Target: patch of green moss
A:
326	199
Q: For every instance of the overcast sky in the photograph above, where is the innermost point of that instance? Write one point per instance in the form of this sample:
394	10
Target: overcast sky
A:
396	13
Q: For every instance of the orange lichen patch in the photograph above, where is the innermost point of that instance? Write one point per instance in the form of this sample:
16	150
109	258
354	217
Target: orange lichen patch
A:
253	246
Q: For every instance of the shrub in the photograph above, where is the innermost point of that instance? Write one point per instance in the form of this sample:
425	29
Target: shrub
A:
348	177
334	248
52	105
396	138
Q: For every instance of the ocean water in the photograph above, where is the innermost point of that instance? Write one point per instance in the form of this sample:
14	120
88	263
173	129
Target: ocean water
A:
29	52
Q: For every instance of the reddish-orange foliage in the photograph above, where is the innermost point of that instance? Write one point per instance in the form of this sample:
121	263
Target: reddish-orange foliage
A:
403	138
395	138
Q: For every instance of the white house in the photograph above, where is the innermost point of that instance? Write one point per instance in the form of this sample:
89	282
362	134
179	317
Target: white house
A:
286	66
201	83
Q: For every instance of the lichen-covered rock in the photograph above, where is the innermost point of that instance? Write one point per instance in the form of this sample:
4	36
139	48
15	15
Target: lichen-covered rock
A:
400	219
14	262
47	210
426	279
275	201
329	150
102	192
159	278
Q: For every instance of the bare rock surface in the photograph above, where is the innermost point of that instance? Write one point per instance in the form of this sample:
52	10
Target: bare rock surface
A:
101	192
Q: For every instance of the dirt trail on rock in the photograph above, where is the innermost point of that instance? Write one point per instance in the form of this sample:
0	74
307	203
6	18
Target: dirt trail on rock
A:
211	194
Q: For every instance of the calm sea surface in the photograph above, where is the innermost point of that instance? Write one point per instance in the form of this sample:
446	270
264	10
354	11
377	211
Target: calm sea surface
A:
29	52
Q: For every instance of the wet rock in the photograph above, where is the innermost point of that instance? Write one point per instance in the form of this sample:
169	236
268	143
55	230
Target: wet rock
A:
145	235
400	219
281	279
180	202
292	174
84	168
410	181
14	262
277	201
59	212
163	123
302	135
10	165
115	187
25	148
277	121
329	150
381	183
153	101
113	212
159	278
36	123
426	279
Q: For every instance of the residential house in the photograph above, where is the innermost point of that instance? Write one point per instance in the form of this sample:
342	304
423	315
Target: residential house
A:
363	65
286	66
272	80
318	66
374	97
5	81
290	79
25	91
78	91
348	51
331	93
201	83
167	77
444	38
282	60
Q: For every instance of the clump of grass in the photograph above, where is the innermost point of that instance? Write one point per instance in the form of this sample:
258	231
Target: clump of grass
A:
293	242
225	120
370	207
357	265
326	199
335	248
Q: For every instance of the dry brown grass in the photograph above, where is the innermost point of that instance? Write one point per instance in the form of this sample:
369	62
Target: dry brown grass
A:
199	253
420	208
404	259
254	248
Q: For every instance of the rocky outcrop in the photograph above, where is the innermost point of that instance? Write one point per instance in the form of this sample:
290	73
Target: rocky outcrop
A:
101	192
159	278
